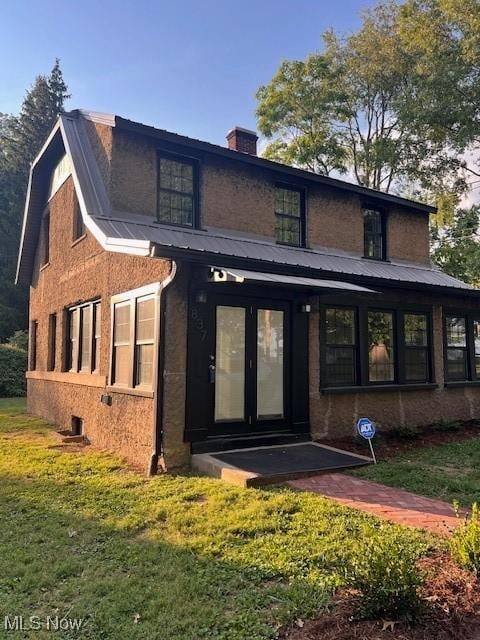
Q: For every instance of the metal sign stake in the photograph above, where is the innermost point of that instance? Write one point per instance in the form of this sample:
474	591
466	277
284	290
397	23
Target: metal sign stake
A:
373	452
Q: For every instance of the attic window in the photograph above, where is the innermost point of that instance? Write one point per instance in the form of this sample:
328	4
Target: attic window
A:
59	175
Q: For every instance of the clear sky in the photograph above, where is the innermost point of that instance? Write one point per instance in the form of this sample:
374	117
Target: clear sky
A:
188	66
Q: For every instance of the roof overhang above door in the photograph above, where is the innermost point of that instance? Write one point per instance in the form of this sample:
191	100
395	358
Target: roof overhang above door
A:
241	276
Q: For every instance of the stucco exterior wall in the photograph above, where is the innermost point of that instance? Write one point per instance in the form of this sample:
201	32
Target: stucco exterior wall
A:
238	197
79	272
334	415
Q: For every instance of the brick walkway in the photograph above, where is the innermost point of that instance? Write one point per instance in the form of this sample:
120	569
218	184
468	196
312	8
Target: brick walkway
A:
392	504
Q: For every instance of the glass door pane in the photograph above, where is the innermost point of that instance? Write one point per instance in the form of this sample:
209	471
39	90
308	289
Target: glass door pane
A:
270	373
230	364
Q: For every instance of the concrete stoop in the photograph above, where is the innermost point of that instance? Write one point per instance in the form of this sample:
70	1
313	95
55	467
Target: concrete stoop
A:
260	466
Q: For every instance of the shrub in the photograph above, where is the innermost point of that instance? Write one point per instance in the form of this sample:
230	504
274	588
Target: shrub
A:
387	576
447	425
406	431
13	364
465	541
19	340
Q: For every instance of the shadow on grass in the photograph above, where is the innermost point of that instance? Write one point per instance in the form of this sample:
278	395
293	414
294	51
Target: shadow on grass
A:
127	581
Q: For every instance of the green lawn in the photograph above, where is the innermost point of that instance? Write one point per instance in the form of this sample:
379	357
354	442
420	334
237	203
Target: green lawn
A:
173	558
450	472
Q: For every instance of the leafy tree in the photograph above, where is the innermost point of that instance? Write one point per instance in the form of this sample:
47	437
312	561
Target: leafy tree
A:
21	137
395	104
456	247
442	37
338	109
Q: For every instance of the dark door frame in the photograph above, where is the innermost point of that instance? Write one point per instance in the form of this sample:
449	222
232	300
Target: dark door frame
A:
201	334
250	424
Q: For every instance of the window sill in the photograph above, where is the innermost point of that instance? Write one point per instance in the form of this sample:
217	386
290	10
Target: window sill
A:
375	259
462	383
381	387
69	377
78	240
143	393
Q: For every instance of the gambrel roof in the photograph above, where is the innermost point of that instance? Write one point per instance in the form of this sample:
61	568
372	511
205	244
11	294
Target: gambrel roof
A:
141	235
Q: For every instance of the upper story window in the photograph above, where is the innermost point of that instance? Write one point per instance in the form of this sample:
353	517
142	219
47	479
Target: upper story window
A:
78	223
462	347
45	239
83	338
135	315
176	191
289	216
374	234
61	172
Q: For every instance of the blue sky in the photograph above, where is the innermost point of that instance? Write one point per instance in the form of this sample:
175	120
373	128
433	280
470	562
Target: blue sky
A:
192	66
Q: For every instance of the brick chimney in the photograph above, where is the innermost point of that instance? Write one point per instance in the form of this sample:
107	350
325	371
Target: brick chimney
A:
244	140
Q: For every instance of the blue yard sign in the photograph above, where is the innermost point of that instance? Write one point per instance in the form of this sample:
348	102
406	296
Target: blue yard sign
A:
366	429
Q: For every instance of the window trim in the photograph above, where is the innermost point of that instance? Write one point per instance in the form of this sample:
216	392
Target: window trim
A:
471	376
52	341
303	213
370	206
45	238
33	346
361	310
195	164
77	217
324	345
131	297
72	363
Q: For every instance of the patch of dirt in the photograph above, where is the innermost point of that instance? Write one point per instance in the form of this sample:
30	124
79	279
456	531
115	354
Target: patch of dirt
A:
452	600
391	444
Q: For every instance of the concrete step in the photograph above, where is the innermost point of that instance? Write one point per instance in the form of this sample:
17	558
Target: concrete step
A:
260	466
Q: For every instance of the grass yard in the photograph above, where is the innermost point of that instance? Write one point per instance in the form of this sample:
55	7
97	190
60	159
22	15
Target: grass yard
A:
171	558
448	471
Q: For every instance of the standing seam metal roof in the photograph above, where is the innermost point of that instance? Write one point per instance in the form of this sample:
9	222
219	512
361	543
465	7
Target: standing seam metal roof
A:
140	235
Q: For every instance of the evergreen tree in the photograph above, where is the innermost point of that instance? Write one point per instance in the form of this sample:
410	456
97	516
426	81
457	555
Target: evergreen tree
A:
21	138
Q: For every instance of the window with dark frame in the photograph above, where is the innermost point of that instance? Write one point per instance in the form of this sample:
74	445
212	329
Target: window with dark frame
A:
78	223
52	341
33	345
289	216
135	316
416	354
456	363
381	346
45	239
476	347
176	191
374	242
462	347
340	346
82	342
364	346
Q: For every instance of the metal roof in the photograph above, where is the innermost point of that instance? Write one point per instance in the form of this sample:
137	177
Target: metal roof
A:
223	274
142	236
210	244
238	156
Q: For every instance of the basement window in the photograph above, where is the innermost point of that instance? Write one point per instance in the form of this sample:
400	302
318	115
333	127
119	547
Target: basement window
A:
77	426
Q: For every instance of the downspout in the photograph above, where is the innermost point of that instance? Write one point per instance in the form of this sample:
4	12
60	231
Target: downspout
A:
158	404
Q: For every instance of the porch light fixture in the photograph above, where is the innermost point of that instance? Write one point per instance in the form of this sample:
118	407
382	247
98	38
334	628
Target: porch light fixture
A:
306	308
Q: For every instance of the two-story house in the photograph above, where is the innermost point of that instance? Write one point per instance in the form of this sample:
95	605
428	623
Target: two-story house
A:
190	297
